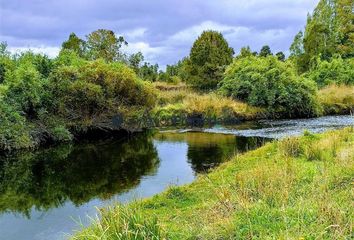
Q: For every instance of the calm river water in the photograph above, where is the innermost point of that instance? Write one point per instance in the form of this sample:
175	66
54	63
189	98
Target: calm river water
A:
44	194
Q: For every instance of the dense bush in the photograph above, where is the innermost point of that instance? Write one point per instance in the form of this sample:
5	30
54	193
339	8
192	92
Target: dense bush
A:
97	86
335	71
268	82
14	132
42	99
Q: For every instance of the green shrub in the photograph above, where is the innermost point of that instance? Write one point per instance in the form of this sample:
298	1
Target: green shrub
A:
268	82
61	134
25	89
14	132
335	71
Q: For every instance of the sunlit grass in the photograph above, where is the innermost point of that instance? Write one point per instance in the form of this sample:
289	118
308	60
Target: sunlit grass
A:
179	100
337	99
122	223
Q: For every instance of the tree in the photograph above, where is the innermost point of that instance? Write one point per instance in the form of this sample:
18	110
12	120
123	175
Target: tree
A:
135	61
149	72
208	59
5	60
329	31
280	56
336	71
345	23
265	51
104	44
245	52
74	43
297	47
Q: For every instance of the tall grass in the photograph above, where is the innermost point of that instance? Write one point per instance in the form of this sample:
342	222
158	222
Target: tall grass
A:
124	224
181	101
337	99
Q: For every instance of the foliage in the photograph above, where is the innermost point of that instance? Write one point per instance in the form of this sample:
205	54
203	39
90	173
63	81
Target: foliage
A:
15	133
41	98
135	61
25	89
208	58
292	189
104	44
334	71
268	82
280	56
75	44
329	31
265	51
149	72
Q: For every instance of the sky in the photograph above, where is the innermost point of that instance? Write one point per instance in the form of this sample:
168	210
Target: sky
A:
163	30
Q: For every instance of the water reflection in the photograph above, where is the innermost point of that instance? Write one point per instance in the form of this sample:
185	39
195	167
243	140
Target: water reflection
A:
48	178
206	150
41	191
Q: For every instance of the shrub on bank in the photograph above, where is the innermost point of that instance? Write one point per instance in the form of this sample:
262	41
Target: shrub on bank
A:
74	93
270	83
335	71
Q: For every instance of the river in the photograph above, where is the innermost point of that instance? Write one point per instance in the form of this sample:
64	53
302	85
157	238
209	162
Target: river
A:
49	193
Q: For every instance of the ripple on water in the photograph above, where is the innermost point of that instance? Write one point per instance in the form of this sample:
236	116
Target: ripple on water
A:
283	128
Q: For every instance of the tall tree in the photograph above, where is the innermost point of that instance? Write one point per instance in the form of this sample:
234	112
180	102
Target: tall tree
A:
104	44
297	47
74	43
265	51
280	56
329	31
208	59
345	22
135	61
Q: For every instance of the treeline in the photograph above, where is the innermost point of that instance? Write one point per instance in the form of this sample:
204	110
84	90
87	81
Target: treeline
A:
92	79
320	55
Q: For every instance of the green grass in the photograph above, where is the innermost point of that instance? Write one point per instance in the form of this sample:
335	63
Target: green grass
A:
297	188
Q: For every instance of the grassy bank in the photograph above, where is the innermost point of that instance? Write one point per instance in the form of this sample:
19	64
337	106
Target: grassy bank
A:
297	188
337	99
180	100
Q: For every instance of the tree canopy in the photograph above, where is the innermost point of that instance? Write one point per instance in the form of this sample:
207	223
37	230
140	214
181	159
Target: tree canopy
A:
209	56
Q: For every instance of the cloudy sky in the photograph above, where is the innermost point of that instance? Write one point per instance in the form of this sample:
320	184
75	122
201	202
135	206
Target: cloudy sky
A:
163	30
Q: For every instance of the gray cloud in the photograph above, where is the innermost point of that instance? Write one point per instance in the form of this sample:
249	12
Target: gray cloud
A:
163	30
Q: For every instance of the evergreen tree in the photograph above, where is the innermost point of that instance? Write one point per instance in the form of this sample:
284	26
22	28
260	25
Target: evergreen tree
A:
208	59
265	51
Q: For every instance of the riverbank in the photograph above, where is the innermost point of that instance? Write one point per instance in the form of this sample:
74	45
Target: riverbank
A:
296	188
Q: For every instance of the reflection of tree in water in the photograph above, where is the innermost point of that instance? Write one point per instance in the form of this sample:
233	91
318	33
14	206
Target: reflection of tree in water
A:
210	154
46	179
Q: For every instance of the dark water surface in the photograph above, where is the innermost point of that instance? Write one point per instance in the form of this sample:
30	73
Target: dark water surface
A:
43	194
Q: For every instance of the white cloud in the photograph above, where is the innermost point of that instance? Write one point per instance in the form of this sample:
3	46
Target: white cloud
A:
190	34
51	52
135	33
150	53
